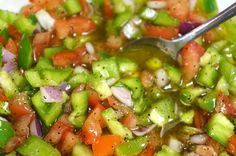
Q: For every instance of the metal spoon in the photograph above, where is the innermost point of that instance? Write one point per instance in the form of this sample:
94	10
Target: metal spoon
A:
173	47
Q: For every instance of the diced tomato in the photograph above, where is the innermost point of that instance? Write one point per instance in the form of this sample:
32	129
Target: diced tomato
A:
179	9
2	40
40	42
118	106
130	120
38	50
153	144
148	151
200	119
11	46
213	143
106	144
39	2
18	110
68	58
78	24
224	105
42	38
196	18
14	33
191	54
30	9
158	31
211	36
91	130
107	9
67	142
231	148
94	100
2	96
53	4
85	7
58	129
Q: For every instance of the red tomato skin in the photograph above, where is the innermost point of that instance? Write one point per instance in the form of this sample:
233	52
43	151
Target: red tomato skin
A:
179	9
191	54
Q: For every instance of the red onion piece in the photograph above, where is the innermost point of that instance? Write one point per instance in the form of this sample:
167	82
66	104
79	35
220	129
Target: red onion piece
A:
65	87
186	27
175	144
7	56
36	128
123	95
143	130
10	66
199	139
51	94
169	126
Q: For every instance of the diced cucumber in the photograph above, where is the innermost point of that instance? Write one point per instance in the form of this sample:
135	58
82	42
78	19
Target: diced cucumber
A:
72	6
49	52
7	16
126	66
148	14
220	128
173	73
207	76
55	76
44	63
188	95
208	102
24	25
7	84
164	19
135	85
78	79
111	119
35	146
122	18
100	86
187	117
228	70
163	112
166	150
106	68
80	149
33	78
131	147
19	79
223	86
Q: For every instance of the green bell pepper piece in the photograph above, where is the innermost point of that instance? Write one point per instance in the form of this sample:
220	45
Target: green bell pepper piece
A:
35	146
6	132
132	147
25	57
48	112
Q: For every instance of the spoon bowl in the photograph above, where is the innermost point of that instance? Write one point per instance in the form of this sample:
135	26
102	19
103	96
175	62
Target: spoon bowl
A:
173	47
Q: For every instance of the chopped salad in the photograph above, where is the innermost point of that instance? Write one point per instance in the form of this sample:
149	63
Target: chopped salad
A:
67	87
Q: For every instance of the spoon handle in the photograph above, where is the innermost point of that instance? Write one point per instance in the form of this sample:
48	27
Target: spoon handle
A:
215	21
